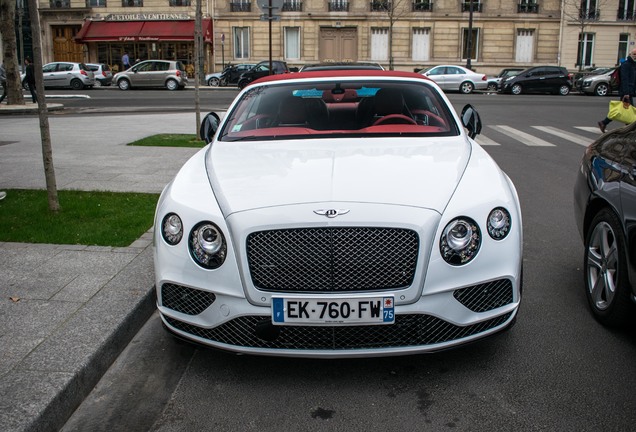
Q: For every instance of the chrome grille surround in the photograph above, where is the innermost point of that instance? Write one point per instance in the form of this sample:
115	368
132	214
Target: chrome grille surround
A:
486	296
332	259
184	299
408	331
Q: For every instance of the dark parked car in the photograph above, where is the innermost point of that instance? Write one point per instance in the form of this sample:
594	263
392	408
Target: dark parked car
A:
494	83
261	70
605	210
228	76
539	79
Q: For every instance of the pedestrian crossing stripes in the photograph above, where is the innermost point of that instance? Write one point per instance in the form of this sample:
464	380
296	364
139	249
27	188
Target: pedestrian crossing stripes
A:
529	139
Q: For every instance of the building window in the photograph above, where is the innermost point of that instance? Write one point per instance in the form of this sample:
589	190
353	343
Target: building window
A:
338	6
132	3
95	3
625	10
380	44
177	3
241	42
524	48
589	10
292	43
623	43
476	4
292	6
241	6
423	6
586	50
421	44
527	6
380	6
471	51
60	4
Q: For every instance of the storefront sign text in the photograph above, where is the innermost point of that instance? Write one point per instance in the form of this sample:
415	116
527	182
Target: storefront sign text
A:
147	17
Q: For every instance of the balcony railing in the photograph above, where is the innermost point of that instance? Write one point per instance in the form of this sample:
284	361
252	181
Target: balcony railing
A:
624	15
590	14
292	6
240	7
380	6
423	6
60	4
528	8
477	6
338	6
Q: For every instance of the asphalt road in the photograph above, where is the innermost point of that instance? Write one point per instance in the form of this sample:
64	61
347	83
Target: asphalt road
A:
556	369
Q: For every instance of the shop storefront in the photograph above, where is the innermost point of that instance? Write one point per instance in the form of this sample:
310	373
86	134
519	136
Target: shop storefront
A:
144	36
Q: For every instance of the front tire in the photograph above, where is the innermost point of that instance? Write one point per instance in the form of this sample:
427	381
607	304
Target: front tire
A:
242	84
516	89
172	84
123	84
213	82
601	90
606	281
564	90
77	84
467	87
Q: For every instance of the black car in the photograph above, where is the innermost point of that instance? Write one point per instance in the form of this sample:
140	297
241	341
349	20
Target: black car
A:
261	70
494	83
605	210
539	79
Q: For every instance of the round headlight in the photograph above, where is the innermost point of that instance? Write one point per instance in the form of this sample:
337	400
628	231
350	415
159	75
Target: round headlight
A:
207	245
499	223
172	229
460	241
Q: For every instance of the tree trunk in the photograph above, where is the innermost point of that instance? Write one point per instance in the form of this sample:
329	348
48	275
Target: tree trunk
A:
9	47
45	133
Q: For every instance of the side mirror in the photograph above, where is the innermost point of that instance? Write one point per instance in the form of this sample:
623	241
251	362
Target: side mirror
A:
471	120
209	126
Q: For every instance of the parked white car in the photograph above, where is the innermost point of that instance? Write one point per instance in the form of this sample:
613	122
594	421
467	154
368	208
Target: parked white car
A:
65	74
340	214
456	78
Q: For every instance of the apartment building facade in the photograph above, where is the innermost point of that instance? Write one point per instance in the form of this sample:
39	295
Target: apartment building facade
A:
403	34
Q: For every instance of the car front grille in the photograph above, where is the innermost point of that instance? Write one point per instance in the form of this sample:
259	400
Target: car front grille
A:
332	259
407	331
185	300
486	296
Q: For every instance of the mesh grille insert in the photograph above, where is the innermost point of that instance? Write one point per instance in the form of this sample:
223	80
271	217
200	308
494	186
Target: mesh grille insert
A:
408	330
332	259
185	300
485	297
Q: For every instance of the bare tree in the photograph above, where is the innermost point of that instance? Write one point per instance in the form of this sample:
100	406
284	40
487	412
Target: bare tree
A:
395	10
45	133
583	13
9	54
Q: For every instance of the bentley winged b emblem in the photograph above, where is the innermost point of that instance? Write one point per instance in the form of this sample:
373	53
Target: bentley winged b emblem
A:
331	213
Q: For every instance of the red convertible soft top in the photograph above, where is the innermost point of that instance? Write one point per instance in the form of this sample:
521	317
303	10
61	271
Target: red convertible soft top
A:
362	73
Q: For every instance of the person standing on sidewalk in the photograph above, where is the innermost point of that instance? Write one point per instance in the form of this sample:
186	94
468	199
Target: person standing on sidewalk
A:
125	60
30	78
3	82
627	85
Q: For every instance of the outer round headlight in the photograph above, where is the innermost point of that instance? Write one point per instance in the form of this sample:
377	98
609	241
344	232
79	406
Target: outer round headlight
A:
172	229
499	223
207	245
460	241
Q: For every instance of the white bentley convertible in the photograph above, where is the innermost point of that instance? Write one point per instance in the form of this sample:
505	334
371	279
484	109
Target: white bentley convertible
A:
339	214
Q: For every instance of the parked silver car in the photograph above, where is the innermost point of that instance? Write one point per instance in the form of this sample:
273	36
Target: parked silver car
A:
65	74
153	73
599	84
456	78
103	74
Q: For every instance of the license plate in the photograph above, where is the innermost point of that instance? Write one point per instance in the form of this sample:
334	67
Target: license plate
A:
312	311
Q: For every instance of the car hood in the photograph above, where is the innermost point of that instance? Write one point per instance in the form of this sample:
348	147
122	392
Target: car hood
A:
419	172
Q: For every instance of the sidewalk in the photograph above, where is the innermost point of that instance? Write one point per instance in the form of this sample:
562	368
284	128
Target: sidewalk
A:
67	311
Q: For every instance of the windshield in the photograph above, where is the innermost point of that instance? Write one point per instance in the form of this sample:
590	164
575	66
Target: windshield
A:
318	109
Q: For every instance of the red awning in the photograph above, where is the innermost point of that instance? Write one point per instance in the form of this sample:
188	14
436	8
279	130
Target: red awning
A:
139	31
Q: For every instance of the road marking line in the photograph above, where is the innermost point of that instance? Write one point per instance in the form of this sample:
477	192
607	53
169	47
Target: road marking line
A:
578	139
593	129
522	137
485	141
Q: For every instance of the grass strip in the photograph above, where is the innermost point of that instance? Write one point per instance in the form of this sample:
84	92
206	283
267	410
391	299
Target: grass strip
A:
86	218
170	140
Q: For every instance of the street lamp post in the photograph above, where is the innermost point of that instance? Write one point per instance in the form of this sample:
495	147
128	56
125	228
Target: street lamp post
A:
469	42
